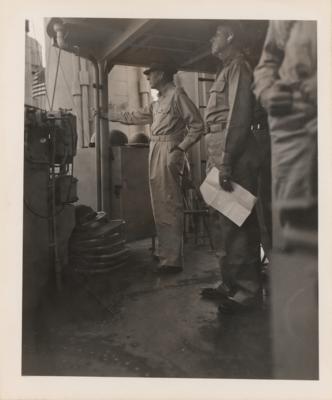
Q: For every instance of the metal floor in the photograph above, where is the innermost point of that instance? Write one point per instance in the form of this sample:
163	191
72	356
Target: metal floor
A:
134	323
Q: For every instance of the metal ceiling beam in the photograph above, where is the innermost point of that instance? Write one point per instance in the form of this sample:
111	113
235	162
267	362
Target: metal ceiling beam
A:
202	53
175	38
164	48
136	29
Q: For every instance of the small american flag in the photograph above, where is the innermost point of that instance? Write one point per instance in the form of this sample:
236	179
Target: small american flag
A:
38	83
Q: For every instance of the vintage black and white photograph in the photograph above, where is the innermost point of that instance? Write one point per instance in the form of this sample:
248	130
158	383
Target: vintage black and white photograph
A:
170	198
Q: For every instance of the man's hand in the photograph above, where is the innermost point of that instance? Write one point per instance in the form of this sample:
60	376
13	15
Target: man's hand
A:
176	147
225	178
309	89
278	99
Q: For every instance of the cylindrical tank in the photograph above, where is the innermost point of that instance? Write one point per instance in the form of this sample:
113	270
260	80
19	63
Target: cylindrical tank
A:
118	138
139	138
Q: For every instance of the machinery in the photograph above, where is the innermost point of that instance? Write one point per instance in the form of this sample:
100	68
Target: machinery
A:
49	190
51	221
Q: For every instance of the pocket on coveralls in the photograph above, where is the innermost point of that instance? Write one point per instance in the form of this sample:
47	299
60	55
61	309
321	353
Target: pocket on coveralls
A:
216	93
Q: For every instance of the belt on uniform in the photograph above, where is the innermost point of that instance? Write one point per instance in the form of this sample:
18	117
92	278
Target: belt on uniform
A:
214	128
166	138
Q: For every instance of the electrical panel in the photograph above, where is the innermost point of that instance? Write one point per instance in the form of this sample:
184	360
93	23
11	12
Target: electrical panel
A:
49	137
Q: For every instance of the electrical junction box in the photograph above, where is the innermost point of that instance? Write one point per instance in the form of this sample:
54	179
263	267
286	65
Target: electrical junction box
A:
66	189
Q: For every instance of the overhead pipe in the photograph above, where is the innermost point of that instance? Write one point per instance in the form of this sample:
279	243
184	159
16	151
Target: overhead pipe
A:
60	30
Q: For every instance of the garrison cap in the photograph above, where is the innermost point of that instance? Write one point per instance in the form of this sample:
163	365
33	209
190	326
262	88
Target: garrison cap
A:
160	67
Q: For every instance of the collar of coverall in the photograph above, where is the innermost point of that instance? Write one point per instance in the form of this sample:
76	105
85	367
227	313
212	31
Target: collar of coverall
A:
165	89
230	55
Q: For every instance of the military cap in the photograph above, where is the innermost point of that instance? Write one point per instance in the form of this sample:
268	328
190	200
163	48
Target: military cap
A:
160	67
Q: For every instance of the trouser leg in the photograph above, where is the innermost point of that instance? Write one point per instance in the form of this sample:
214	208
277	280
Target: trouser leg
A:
238	252
167	202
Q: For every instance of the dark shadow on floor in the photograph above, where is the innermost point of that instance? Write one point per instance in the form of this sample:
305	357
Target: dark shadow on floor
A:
134	323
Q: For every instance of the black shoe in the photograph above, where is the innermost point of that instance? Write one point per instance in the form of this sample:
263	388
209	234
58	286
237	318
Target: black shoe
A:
155	257
214	293
168	269
229	306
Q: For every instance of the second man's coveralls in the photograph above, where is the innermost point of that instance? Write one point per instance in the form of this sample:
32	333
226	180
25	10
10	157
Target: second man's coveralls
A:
174	120
231	144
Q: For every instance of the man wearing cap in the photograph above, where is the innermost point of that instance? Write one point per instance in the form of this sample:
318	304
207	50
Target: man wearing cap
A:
176	125
232	149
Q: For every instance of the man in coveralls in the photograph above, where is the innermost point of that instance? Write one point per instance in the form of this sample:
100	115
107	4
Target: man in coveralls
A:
286	85
233	150
176	124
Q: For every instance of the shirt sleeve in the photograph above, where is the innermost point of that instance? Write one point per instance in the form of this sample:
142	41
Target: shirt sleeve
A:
240	100
142	116
192	118
267	70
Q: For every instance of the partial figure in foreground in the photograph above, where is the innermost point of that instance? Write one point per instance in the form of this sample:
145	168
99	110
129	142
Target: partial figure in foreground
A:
286	86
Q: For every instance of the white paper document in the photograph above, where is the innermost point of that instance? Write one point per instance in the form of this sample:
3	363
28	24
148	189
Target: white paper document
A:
236	205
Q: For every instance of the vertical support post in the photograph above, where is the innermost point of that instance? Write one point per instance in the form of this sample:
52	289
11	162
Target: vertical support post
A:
134	101
104	69
84	82
77	97
144	89
97	127
196	151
